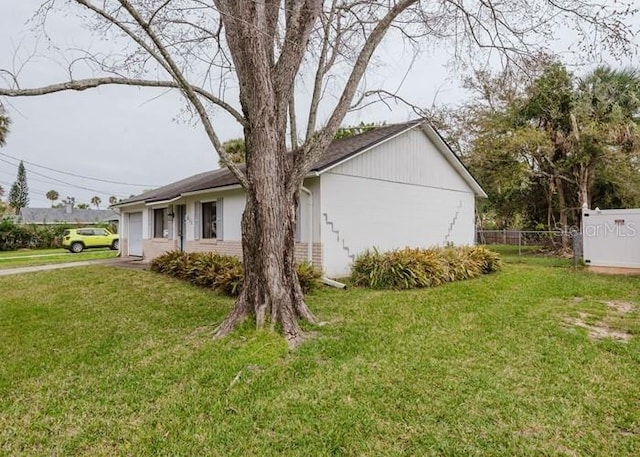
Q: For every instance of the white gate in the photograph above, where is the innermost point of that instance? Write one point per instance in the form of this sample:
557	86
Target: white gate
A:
611	237
135	234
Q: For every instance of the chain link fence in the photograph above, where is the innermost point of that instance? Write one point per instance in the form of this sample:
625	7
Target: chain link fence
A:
559	242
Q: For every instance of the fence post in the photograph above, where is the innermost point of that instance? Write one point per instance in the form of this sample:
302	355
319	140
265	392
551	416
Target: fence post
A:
577	248
519	242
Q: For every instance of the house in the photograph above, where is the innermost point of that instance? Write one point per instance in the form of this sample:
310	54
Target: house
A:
68	215
391	187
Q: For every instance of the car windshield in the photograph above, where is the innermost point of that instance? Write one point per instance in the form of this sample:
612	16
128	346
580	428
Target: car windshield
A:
65	233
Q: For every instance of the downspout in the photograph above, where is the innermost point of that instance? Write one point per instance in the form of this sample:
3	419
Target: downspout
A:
327	281
310	234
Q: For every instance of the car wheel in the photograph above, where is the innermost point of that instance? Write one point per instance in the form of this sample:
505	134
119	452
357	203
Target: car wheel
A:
76	247
115	245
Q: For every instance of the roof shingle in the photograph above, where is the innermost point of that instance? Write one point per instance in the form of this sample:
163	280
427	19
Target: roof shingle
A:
60	215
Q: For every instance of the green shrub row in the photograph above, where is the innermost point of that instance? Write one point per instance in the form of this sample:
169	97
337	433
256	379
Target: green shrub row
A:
413	268
219	272
14	236
31	236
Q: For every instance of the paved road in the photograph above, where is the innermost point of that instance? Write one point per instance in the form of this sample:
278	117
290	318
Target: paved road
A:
56	266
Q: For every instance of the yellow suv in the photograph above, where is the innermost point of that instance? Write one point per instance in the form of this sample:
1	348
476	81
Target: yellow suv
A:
76	240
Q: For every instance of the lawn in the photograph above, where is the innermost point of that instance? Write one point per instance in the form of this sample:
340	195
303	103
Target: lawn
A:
33	257
121	362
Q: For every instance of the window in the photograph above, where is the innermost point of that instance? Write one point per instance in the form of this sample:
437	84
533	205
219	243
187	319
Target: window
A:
160	229
99	232
209	220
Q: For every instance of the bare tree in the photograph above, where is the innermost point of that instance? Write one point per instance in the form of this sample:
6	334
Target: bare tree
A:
264	47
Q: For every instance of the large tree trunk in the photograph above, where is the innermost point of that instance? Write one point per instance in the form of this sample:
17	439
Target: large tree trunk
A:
271	292
562	209
585	177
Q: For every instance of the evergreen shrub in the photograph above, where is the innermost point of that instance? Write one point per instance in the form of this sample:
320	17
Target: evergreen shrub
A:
411	268
219	272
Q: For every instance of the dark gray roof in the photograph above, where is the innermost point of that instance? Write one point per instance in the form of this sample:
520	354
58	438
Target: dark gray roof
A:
337	151
60	215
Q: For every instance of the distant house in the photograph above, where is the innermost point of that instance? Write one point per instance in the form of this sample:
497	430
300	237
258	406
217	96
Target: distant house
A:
394	186
68	215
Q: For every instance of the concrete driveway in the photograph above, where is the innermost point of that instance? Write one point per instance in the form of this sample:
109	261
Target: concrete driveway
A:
124	262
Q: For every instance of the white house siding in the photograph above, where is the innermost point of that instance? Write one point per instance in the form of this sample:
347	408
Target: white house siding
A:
233	203
403	193
611	238
360	213
409	158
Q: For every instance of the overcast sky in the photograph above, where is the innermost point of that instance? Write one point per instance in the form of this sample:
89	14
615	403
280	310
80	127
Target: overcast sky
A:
130	135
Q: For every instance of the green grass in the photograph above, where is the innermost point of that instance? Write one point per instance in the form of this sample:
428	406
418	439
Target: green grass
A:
480	367
530	255
33	257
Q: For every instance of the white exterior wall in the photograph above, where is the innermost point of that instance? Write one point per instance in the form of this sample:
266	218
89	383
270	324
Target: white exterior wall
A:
409	158
611	238
402	193
233	203
313	185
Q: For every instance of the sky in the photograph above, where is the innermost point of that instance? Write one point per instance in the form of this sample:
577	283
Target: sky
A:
121	141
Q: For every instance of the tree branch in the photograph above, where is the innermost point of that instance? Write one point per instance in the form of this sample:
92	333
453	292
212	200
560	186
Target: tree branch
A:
312	148
189	93
92	83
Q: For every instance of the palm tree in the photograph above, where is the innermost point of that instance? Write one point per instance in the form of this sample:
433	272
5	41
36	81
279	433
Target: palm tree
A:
95	200
236	150
52	195
607	126
1	192
113	200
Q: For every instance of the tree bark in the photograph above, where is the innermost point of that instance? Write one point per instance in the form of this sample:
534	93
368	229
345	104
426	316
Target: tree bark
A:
562	209
271	292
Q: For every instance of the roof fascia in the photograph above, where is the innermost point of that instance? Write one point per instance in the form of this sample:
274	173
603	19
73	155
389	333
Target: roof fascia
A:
163	202
212	189
453	159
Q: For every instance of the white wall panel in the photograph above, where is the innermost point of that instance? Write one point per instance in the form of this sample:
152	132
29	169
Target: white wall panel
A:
370	213
410	158
611	238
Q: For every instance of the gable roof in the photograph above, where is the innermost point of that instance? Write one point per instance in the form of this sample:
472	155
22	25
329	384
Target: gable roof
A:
338	151
60	215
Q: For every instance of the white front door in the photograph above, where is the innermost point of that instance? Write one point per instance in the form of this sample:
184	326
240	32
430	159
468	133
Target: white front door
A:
135	234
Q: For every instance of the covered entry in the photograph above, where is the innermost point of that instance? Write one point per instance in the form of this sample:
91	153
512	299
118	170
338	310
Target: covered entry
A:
134	235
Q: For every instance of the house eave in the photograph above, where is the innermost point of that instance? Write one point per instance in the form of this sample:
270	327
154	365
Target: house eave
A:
119	206
163	202
453	160
211	189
